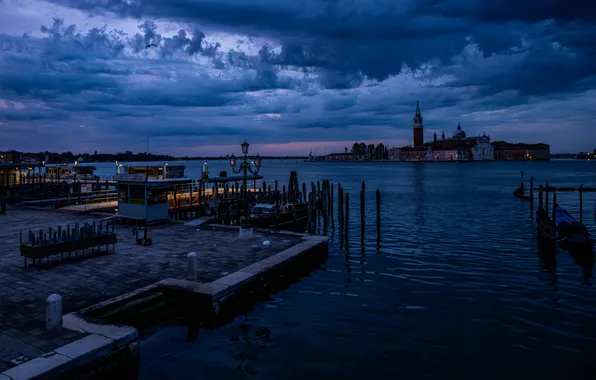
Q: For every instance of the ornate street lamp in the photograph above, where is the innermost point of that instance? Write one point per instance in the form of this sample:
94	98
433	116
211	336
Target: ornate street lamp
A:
245	167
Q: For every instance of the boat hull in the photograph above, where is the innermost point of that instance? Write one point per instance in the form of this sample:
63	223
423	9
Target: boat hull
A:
274	220
572	235
577	243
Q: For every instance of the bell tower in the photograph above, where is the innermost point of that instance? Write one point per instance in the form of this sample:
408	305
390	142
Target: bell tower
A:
418	128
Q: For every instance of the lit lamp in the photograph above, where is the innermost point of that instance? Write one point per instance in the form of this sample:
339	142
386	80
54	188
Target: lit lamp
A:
245	167
205	170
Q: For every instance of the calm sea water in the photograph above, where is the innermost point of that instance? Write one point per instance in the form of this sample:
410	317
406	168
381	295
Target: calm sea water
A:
458	289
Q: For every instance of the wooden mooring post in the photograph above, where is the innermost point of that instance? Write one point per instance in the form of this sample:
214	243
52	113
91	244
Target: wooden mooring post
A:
378	196
346	222
309	213
581	204
304	193
314	206
362	216
340	205
554	216
531	190
276	198
546	198
325	206
318	198
331	200
540	198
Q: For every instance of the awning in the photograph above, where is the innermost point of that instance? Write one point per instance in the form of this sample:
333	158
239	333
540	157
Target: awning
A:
160	188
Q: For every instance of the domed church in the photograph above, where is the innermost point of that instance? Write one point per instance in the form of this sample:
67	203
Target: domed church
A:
460	147
459	133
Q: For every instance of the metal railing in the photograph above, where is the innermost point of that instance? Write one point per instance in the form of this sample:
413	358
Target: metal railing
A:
95	200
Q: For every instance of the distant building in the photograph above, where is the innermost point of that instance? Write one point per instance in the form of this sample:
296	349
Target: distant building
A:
342	157
11	157
394	154
586	155
483	150
505	151
460	147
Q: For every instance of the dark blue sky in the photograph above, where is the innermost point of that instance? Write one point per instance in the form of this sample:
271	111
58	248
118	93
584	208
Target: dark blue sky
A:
291	75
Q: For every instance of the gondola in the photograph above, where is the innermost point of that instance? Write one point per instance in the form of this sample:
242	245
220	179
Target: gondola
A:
286	214
572	235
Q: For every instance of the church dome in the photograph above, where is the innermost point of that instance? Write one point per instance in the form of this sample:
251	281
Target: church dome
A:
484	138
459	133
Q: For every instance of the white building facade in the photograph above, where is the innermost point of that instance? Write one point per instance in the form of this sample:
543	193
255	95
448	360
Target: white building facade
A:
483	150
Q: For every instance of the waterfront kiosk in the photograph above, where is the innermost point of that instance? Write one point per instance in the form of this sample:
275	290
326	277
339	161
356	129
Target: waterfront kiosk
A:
155	172
143	192
15	174
69	171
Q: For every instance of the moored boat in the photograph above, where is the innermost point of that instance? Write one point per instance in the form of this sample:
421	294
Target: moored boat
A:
266	215
572	235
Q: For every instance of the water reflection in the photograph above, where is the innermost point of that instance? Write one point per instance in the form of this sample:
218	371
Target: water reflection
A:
586	262
248	342
548	260
419	195
348	272
192	332
461	285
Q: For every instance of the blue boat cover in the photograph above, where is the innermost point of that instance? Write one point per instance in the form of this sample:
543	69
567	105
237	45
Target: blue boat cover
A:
562	216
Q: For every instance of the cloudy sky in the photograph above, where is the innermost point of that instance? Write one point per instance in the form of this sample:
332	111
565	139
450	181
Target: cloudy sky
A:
292	75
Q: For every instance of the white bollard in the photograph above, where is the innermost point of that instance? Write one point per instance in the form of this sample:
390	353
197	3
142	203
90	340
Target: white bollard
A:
191	260
54	313
245	233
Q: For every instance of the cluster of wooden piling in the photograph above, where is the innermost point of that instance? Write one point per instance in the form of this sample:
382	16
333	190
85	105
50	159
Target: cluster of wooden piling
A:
546	189
552	189
61	240
321	206
193	200
323	201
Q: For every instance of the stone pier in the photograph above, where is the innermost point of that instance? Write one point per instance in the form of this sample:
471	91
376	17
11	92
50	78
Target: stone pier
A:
25	344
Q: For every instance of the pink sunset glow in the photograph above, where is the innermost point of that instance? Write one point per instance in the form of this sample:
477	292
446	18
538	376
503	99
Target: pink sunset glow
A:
301	148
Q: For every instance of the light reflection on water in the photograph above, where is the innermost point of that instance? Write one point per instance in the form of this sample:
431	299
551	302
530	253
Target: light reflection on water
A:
458	288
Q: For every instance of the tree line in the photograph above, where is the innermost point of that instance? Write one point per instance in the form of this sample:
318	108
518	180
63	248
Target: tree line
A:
370	151
69	157
128	156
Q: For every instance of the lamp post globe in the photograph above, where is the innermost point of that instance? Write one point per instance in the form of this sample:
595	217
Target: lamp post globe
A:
245	167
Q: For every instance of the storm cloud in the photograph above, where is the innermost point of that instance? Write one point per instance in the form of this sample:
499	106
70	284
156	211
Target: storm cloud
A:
196	73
